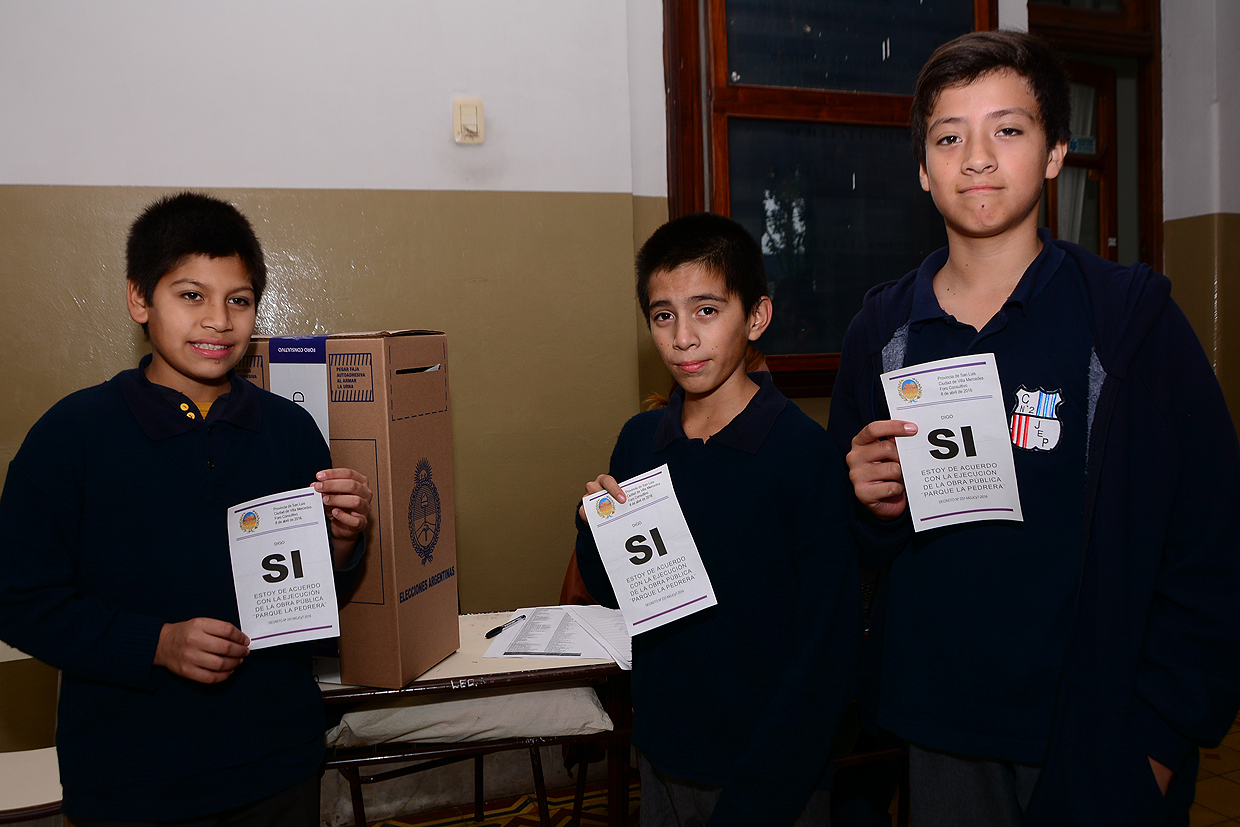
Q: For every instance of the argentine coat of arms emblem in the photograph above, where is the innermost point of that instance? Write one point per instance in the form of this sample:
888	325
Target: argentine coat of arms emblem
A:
424	513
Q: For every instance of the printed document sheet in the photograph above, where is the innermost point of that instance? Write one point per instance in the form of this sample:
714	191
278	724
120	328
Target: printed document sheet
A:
650	557
564	631
958	467
607	627
282	569
546	632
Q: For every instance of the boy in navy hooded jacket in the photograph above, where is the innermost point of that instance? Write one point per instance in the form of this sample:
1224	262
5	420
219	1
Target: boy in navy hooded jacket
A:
1064	669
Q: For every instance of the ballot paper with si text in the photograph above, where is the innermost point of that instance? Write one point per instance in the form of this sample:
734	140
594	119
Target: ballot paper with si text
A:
652	562
282	568
958	467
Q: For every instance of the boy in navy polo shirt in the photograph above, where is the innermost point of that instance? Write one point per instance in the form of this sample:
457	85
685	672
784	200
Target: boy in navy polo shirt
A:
116	558
735	707
1064	669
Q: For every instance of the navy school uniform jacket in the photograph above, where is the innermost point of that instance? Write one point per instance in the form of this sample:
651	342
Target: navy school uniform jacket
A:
1152	666
746	695
114	524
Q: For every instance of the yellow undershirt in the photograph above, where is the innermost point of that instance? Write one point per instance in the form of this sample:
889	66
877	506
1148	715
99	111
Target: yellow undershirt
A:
201	410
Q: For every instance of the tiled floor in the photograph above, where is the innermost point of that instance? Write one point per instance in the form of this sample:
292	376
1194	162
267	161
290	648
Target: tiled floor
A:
1217	804
522	811
1218	784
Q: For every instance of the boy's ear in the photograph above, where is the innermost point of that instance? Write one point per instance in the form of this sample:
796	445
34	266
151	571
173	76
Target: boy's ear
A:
760	318
1054	161
923	177
136	302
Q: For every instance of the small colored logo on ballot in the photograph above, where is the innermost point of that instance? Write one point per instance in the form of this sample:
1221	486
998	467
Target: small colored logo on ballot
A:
605	507
249	521
910	389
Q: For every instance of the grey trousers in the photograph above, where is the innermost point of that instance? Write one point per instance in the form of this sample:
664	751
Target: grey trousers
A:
668	801
950	790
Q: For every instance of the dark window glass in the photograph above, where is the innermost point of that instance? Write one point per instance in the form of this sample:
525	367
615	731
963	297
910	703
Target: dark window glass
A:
837	208
870	46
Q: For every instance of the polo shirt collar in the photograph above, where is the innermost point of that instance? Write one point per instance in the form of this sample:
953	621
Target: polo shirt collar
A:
747	430
1036	277
925	303
156	407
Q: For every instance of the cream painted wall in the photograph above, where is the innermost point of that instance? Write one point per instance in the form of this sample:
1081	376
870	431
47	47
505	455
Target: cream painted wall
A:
1201	107
330	125
647	101
280	93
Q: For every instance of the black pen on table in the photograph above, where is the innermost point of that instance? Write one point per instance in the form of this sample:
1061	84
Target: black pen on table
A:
499	629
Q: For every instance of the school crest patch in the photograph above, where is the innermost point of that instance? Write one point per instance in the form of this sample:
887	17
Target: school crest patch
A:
1035	426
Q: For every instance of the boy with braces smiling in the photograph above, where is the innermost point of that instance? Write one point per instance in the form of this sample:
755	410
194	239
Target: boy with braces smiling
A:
116	558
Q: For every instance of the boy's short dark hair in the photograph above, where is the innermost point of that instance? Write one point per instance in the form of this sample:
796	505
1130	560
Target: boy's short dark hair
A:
717	243
970	56
189	224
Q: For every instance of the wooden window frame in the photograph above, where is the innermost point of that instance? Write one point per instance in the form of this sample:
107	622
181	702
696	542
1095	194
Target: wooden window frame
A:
1102	164
1131	31
697	147
1135	32
694	111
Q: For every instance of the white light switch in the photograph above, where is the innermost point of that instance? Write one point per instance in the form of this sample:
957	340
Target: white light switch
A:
467	120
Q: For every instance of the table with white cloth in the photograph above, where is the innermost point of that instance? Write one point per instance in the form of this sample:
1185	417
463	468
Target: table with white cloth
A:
469	706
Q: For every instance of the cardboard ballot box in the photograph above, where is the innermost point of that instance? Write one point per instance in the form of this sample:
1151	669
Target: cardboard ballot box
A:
382	398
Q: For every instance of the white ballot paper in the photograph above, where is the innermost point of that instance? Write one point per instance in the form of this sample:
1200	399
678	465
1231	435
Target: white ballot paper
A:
282	569
958	467
650	557
546	632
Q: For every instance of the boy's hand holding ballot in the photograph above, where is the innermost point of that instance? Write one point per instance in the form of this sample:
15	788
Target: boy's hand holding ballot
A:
202	649
655	570
952	463
346	500
959	469
207	650
874	467
604	482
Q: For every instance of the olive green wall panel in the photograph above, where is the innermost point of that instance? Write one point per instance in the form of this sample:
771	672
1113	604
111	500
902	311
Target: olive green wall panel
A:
1202	258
